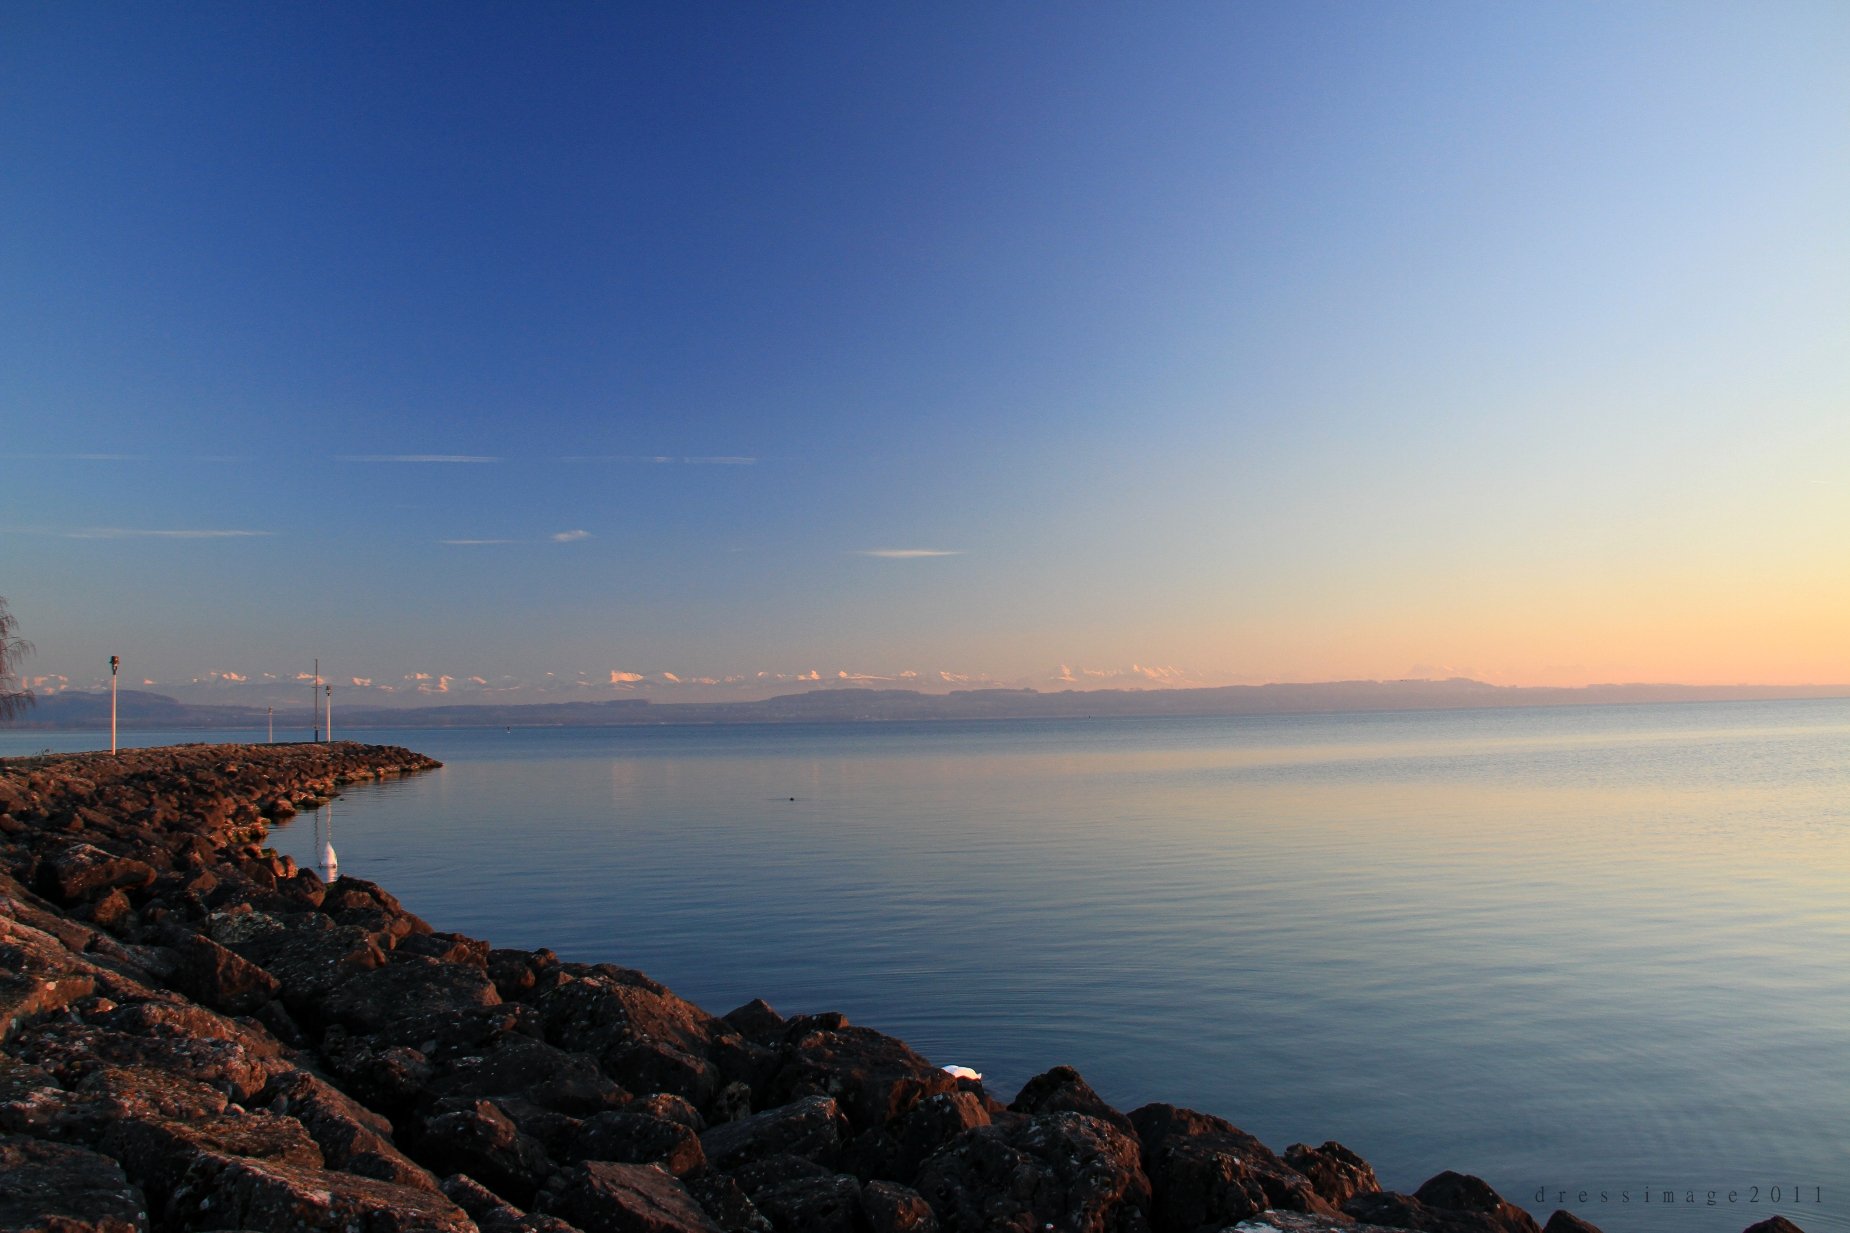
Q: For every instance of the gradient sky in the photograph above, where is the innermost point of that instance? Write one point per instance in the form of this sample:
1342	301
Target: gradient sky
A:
1021	343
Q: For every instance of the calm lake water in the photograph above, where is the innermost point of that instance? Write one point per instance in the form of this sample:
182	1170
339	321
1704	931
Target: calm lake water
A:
1599	949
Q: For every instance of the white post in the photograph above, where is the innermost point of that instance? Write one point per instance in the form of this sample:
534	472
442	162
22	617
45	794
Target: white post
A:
330	712
314	699
115	662
272	717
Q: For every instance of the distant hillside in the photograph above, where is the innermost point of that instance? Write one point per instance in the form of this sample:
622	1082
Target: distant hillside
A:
139	709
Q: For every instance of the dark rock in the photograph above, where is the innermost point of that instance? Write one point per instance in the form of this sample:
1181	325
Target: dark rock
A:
1062	1090
307	952
492	1213
407	987
606	1197
514	972
892	1208
896	1152
261	1194
605	1009
655	1066
547	1076
56	1187
1068	1170
161	1154
1460	1192
350	1136
875	1078
71	1050
1206	1173
477	1137
830	1203
725	1202
638	1138
78	871
144	1092
1334	1172
1567	1222
756	1021
220	978
1775	1224
447	948
812	1128
672	1108
1447	1203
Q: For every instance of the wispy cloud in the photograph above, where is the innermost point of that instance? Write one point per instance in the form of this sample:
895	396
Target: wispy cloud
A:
415	458
906	554
148	533
722	460
570	537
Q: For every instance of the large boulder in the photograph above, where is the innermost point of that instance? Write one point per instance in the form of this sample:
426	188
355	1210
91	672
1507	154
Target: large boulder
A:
1207	1173
54	1186
638	1138
1446	1203
1334	1172
408	987
351	1137
812	1128
1062	1090
233	1193
874	1077
602	1196
1074	1172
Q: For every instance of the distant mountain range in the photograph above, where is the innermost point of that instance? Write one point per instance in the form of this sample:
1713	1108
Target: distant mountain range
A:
140	709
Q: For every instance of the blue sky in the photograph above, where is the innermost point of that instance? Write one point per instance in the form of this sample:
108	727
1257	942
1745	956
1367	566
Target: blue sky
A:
1201	343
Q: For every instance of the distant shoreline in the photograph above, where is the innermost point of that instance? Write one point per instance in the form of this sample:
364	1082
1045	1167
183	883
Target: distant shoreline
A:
139	710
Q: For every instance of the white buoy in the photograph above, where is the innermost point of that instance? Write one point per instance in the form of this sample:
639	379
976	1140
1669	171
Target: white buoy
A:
962	1072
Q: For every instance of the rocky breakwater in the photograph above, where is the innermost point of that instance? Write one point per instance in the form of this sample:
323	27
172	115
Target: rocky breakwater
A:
195	1034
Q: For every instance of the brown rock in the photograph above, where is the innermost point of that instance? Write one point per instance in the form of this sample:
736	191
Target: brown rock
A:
1062	1090
892	1208
252	1194
351	1137
56	1187
606	1197
812	1128
1566	1222
222	979
1207	1173
1075	1172
638	1138
874	1077
1335	1173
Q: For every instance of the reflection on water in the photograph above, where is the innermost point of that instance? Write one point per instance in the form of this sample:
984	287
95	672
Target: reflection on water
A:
1570	948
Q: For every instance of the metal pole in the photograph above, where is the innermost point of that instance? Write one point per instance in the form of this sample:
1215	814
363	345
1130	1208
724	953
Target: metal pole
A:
272	714
115	662
314	699
330	712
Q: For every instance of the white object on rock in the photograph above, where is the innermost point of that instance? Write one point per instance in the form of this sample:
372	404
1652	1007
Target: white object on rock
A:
961	1072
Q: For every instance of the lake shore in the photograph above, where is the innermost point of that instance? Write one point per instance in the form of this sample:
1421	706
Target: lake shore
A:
198	1034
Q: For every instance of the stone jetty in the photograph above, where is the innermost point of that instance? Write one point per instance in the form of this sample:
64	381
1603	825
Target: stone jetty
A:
196	1034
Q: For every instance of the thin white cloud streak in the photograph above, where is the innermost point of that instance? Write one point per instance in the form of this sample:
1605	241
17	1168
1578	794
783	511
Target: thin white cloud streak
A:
722	460
415	458
906	554
570	537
